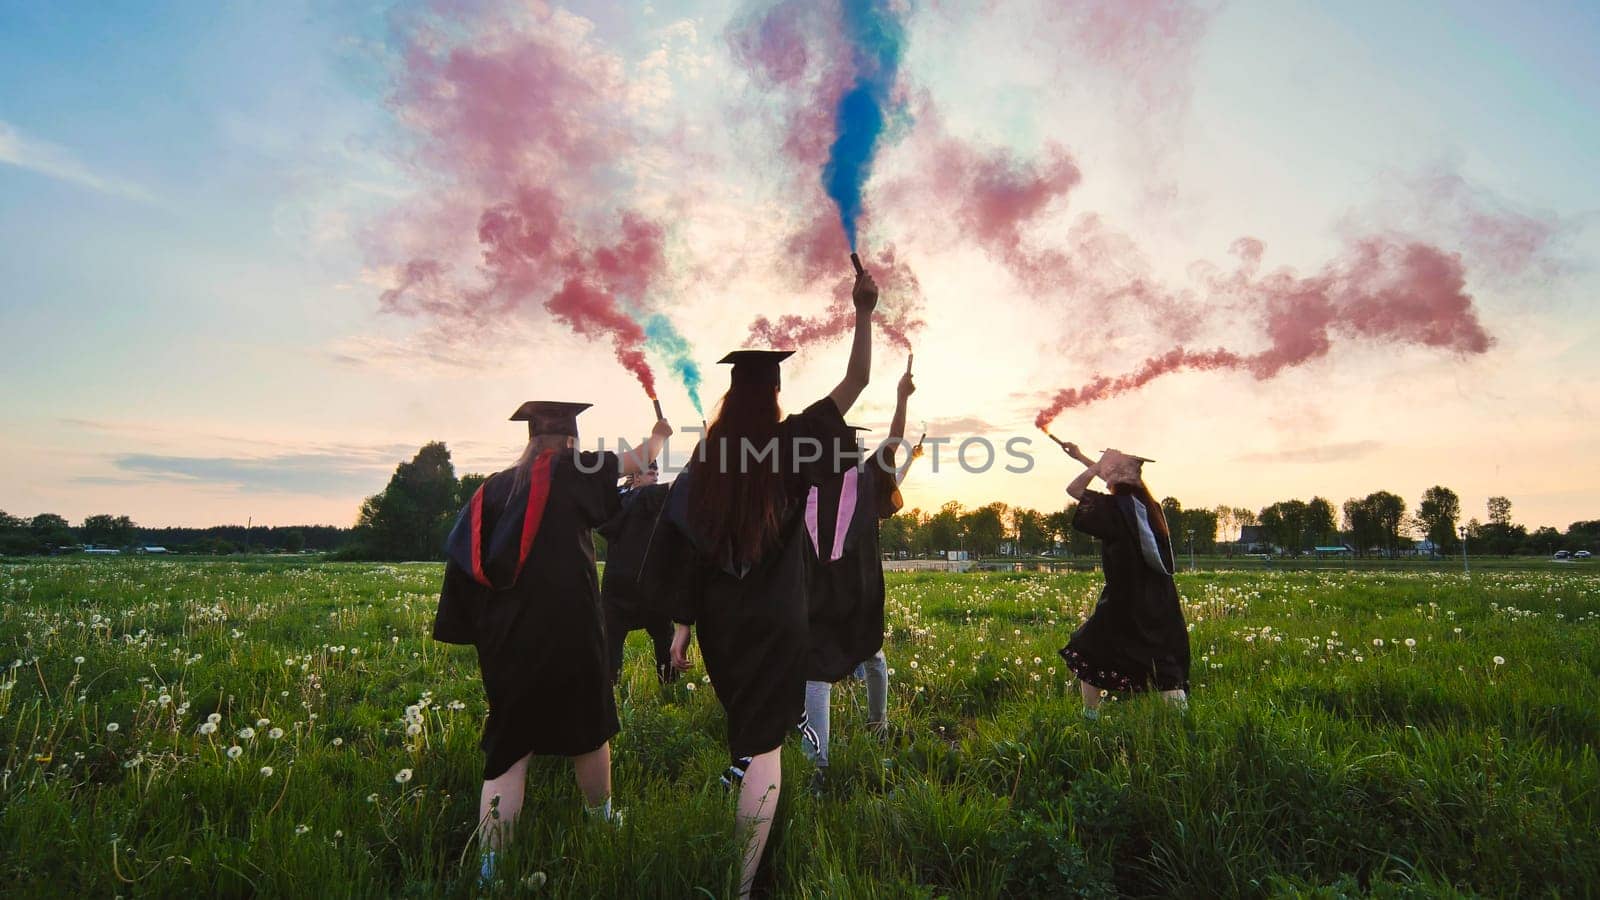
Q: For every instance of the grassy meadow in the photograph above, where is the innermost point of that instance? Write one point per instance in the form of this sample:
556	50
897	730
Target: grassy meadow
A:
288	729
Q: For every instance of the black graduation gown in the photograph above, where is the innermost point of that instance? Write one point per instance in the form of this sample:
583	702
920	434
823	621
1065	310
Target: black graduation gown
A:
841	522
752	625
1136	638
538	631
639	548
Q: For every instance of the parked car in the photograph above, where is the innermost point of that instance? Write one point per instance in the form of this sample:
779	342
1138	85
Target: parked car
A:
1582	554
1563	554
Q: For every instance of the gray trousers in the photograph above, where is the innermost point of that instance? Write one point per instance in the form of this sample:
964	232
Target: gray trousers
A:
819	694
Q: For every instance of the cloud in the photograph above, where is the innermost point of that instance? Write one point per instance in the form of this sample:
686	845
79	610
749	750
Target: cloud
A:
55	161
325	474
1326	453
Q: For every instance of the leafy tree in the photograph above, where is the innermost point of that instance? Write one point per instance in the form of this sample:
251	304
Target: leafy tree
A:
116	531
294	540
1361	526
1321	527
1285	524
1437	514
985	528
413	514
944	528
1032	530
1388	515
468	486
1500	511
898	532
1546	540
1202	525
1173	510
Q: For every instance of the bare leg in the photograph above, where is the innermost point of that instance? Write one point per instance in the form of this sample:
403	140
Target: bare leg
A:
1091	694
758	803
1178	698
594	775
500	802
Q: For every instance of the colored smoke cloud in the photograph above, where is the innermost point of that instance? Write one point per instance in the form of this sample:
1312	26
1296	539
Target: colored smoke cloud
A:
805	58
665	341
1380	289
877	37
520	127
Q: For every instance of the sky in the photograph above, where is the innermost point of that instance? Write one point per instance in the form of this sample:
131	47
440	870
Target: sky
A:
254	255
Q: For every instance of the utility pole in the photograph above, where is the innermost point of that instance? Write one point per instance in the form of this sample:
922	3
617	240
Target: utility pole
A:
1191	550
1464	569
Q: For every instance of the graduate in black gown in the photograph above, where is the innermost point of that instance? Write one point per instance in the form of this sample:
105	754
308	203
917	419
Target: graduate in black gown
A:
1136	638
520	586
739	505
847	591
638	550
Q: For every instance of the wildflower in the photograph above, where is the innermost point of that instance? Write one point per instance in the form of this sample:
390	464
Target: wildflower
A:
338	742
301	829
208	728
1377	642
338	834
112	727
266	771
402	776
78	660
1411	643
275	733
246	733
262	723
1499	660
372	798
689	686
164	699
913	664
534	881
413	730
214	718
235	751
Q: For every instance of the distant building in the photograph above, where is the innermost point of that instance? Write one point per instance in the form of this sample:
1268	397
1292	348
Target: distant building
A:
1253	539
103	551
152	550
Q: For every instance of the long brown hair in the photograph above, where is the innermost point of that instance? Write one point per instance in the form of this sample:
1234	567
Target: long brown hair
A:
736	503
1141	492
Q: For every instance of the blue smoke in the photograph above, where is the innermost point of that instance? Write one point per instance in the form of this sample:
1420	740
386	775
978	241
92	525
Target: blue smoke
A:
671	346
878	38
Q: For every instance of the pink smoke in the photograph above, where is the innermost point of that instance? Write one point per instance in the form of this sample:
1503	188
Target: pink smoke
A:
1380	289
516	115
896	321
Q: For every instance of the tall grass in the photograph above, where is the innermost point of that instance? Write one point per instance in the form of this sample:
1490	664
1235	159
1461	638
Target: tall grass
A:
1457	756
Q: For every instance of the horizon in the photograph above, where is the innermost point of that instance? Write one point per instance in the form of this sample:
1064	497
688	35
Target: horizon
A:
216	307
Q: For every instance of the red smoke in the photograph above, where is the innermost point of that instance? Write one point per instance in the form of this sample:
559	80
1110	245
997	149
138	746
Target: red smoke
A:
1380	289
517	119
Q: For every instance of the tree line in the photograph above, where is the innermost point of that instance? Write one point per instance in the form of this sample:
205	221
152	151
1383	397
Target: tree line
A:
410	517
49	533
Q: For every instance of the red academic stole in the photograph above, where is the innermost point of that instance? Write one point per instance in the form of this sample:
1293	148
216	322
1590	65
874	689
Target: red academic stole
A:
532	515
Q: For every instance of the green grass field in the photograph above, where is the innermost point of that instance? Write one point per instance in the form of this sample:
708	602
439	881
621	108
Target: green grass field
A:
1351	733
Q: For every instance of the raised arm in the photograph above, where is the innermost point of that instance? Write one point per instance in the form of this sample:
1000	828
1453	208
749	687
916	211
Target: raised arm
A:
859	370
1080	484
897	425
638	459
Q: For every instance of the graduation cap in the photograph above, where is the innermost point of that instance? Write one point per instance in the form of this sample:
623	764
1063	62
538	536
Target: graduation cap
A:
550	416
756	366
1142	459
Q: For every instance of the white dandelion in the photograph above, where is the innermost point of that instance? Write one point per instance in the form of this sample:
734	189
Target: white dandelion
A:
235	751
402	776
208	728
1499	660
112	727
266	771
275	733
246	733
